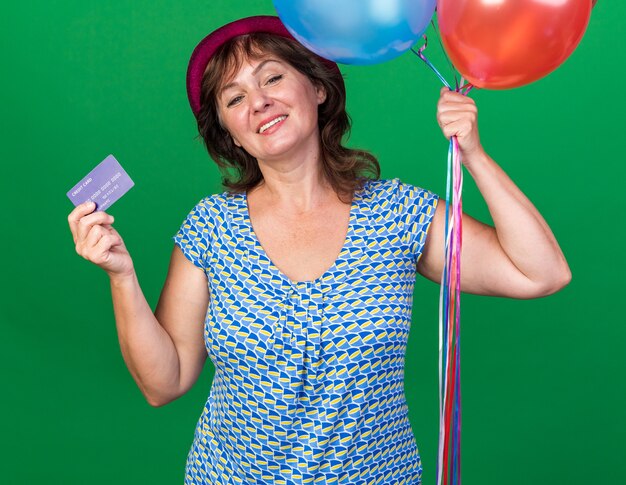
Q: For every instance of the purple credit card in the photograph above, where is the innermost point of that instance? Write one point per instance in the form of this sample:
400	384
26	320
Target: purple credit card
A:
103	185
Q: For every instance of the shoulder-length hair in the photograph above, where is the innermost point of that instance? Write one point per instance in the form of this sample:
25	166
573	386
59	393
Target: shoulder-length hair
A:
345	169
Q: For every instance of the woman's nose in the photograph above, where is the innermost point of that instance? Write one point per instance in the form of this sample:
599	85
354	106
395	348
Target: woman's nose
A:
259	100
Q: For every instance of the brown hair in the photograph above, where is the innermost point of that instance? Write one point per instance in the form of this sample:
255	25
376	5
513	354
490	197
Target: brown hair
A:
345	169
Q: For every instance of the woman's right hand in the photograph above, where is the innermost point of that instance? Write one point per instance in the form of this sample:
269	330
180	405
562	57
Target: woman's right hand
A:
97	241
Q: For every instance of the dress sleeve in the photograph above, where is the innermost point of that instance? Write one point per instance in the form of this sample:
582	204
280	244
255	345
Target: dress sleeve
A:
416	208
193	237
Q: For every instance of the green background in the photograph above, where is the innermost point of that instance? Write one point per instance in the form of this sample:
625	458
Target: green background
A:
543	380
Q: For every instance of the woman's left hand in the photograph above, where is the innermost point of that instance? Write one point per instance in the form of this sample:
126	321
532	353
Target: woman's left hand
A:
457	115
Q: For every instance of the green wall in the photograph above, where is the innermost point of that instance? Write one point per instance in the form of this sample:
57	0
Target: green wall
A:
543	380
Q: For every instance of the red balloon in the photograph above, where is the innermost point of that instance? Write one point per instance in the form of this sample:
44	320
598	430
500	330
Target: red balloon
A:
499	44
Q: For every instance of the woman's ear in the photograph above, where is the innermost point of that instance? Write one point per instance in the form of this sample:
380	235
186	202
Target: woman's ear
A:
320	92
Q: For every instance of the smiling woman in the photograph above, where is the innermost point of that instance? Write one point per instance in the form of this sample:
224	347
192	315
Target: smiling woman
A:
345	168
297	281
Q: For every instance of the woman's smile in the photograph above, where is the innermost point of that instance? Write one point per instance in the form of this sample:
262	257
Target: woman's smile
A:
266	126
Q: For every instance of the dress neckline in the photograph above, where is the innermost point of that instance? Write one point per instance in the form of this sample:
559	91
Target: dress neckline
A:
339	260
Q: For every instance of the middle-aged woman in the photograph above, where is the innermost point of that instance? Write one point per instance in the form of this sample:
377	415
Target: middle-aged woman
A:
298	280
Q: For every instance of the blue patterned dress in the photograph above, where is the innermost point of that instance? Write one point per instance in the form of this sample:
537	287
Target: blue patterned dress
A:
309	376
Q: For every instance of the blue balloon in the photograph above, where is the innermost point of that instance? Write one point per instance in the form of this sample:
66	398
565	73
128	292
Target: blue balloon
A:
356	31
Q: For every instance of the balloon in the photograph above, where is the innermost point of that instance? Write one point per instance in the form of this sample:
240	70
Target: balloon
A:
356	31
500	44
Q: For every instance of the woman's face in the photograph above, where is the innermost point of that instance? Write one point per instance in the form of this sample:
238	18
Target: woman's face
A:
270	109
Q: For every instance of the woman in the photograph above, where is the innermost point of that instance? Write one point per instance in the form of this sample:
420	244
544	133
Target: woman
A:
309	263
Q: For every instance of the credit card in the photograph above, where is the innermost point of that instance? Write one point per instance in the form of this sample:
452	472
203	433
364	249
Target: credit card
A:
104	185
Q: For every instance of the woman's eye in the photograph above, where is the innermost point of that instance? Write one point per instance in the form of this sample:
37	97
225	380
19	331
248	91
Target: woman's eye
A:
234	101
274	79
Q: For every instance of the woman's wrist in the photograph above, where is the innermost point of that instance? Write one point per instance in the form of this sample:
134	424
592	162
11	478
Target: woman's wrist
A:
123	279
476	160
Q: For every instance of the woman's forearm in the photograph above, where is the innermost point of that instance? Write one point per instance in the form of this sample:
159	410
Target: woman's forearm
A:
522	232
147	348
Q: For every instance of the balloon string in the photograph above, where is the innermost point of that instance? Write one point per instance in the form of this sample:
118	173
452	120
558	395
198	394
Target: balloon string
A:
458	205
459	87
443	50
444	305
449	448
419	53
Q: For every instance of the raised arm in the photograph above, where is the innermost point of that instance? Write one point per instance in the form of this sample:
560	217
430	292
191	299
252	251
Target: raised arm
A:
164	351
519	257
